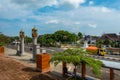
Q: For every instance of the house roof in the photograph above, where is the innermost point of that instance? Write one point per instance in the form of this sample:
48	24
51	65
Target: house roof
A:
111	36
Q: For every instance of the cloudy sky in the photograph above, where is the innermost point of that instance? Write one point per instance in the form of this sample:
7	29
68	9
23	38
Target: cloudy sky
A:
93	17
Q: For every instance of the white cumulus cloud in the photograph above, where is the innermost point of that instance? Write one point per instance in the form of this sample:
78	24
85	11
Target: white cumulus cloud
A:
77	22
105	9
92	25
75	3
52	22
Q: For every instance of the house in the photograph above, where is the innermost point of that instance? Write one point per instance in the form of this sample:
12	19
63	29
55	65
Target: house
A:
90	39
112	37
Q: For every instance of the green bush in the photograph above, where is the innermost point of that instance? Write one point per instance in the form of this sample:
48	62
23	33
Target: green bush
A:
2	43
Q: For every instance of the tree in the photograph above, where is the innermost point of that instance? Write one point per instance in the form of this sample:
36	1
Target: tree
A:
99	43
107	42
64	36
46	40
80	35
77	57
4	39
61	36
28	39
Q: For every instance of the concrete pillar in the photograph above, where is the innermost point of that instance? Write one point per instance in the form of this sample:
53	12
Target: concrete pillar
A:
22	46
35	46
21	43
18	49
34	40
36	50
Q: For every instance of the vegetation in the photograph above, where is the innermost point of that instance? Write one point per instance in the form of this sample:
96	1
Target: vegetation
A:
46	40
60	36
64	36
80	35
107	42
77	57
28	39
4	40
14	38
99	43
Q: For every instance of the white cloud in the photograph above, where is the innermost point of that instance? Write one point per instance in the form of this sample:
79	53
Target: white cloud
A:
92	25
77	19
77	22
104	9
35	3
11	9
24	8
52	22
75	3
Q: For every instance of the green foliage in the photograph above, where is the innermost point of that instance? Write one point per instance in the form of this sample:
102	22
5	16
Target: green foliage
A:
46	40
115	44
2	43
99	43
80	35
64	36
28	39
94	64
14	38
59	36
4	40
107	42
76	57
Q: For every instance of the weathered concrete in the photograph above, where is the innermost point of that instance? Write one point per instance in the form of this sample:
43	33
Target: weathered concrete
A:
35	46
21	43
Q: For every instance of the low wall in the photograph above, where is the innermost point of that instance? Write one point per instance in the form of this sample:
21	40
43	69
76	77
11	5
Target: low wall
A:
42	62
1	50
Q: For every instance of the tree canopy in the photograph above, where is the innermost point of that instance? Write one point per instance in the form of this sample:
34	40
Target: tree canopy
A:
80	35
77	57
46	40
64	36
4	39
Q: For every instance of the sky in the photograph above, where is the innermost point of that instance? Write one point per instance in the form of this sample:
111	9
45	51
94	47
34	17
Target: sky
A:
91	17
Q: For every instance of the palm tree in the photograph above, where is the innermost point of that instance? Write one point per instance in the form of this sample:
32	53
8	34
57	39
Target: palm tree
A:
77	57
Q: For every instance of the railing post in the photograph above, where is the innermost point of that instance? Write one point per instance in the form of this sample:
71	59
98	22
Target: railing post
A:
111	74
83	71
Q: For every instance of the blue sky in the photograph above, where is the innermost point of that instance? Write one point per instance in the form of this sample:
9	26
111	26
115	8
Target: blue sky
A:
91	17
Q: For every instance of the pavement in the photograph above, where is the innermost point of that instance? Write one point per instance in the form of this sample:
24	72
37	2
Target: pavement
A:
13	70
56	70
26	60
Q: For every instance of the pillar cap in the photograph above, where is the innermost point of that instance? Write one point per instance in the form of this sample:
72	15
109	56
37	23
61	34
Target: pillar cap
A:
21	34
34	32
34	29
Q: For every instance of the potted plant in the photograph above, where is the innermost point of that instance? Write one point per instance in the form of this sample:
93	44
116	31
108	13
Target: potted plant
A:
78	57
